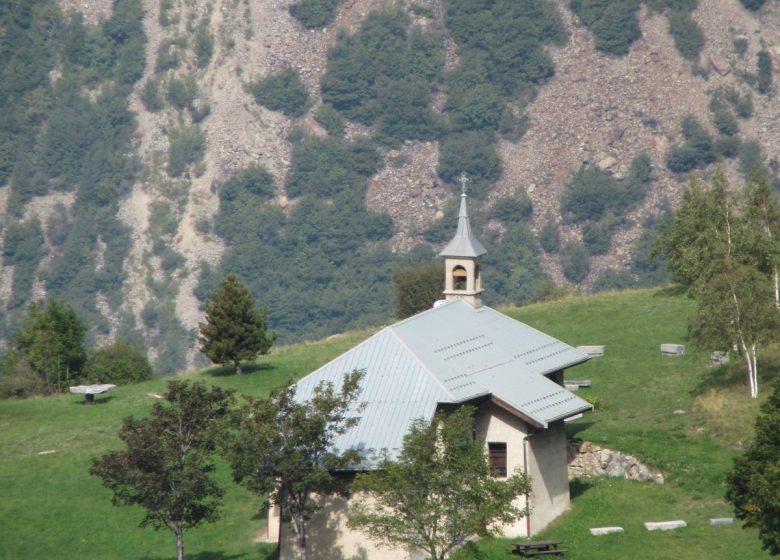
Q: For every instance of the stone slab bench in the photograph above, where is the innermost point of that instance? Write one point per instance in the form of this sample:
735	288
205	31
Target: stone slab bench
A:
665	525
719	521
592	351
672	349
89	391
598	531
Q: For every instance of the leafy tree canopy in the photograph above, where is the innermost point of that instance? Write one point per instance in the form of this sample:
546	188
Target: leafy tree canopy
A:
417	287
752	483
282	448
166	465
119	362
283	92
438	493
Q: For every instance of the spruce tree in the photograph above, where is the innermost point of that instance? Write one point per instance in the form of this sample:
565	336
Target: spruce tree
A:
234	330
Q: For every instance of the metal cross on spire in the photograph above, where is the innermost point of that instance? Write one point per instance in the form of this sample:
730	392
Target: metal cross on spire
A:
463	180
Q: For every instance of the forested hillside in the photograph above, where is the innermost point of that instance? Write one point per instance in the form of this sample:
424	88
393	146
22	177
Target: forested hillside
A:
149	147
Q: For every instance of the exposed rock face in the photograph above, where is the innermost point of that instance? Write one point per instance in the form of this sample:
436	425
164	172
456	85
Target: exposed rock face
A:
588	459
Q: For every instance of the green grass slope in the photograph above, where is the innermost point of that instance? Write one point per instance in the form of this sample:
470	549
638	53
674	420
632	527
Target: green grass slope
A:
50	507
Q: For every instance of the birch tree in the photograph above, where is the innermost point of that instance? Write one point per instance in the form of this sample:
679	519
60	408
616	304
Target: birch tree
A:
724	247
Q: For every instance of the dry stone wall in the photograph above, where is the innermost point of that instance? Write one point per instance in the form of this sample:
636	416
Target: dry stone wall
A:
587	459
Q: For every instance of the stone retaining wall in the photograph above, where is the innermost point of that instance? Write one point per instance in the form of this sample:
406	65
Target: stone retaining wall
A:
588	459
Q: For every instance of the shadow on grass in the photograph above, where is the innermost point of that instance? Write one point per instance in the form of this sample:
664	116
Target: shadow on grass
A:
208	555
725	376
227	371
577	487
575	428
98	400
674	290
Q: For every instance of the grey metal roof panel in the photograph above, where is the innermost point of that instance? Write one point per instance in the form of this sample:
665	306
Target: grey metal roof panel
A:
452	353
396	390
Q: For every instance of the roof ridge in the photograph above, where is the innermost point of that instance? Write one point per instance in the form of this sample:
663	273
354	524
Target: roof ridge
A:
422	364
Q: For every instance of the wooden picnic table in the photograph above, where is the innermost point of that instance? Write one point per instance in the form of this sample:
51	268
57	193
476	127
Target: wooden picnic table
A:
532	549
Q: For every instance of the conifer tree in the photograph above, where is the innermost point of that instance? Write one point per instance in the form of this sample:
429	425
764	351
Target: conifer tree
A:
234	330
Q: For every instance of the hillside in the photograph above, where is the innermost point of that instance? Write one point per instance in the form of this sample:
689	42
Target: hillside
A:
52	507
140	160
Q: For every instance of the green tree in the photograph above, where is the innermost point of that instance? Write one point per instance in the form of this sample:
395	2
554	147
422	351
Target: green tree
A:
283	92
282	448
234	330
52	338
752	483
417	287
120	362
439	493
167	463
718	245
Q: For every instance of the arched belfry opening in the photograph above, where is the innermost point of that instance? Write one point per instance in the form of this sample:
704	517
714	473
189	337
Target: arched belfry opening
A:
463	275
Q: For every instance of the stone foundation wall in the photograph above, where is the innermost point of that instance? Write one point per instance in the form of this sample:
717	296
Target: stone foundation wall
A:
588	459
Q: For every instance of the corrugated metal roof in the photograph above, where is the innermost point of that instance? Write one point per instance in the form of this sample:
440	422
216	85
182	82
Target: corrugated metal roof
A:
450	354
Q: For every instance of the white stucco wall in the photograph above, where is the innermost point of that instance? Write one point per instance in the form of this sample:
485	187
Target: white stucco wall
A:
549	475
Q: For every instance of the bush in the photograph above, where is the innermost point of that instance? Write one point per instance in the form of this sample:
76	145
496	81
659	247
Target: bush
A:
187	146
728	146
120	363
753	4
613	280
472	153
575	262
725	122
697	151
204	46
512	209
597	237
751	157
417	287
314	13
182	93
764	65
330	119
612	22
687	35
745	106
550	236
282	92
168	55
589	196
150	96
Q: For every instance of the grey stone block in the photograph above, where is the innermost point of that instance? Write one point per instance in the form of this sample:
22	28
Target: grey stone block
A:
672	349
665	525
597	531
718	521
718	358
592	351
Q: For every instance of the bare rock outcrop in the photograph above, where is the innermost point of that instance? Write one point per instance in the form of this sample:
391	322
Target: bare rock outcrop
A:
587	459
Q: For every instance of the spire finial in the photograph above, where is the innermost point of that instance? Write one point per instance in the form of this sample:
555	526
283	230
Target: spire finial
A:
463	179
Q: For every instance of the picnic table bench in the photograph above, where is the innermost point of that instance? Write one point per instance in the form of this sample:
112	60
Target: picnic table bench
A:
532	549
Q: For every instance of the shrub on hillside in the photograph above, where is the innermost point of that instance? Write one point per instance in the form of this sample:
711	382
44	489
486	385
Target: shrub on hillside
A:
314	13
764	66
753	4
687	35
330	119
282	92
472	153
751	157
187	146
511	209
182	92
120	363
698	149
550	236
613	23
204	45
151	97
589	196
575	262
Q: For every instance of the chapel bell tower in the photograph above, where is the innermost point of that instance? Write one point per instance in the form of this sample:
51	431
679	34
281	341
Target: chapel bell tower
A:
463	274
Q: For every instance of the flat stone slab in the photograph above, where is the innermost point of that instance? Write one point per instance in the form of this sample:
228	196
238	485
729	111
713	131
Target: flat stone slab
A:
672	349
572	418
718	521
719	358
577	382
598	531
91	389
592	351
665	525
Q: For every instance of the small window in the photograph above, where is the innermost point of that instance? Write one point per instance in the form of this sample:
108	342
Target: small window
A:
497	458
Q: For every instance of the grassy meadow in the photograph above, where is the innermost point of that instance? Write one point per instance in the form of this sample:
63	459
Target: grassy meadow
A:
50	507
